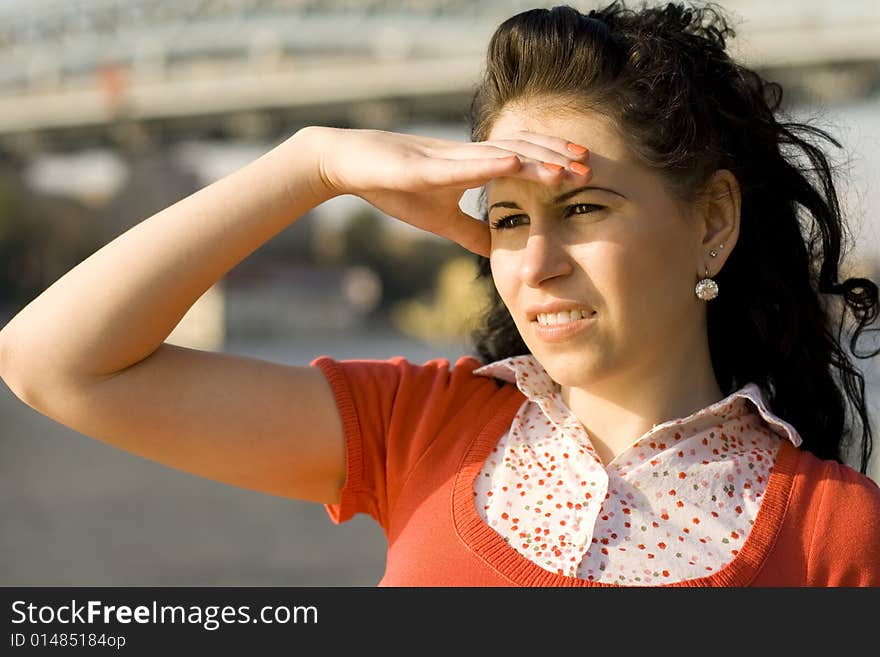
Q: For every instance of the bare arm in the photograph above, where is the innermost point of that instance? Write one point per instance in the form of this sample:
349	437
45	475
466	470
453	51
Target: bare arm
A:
89	352
117	306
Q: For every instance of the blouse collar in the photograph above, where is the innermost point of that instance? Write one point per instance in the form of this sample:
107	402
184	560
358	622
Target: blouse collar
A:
535	383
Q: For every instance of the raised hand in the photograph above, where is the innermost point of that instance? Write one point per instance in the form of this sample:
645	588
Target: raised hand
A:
420	180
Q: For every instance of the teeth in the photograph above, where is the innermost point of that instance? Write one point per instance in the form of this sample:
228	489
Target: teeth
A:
562	318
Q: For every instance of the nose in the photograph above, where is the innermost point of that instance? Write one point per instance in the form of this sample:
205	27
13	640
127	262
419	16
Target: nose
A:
544	257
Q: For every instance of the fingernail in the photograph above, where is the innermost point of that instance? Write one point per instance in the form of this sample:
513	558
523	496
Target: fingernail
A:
553	167
577	150
577	167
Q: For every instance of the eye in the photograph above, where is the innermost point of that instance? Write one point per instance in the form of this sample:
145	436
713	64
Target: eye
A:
579	208
505	222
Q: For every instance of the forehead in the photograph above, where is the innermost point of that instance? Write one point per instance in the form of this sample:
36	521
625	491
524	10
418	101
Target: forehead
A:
589	129
609	156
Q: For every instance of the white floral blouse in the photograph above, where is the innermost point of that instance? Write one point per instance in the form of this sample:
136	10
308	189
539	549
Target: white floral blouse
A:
677	504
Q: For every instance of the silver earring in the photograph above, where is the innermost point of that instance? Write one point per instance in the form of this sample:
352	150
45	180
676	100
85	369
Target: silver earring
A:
706	289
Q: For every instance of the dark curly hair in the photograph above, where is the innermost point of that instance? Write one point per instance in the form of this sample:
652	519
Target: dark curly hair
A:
687	109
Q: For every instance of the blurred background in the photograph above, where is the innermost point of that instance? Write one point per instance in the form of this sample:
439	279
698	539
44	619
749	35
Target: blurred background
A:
111	110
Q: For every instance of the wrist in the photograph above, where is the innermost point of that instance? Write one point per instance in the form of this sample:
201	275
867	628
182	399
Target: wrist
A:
311	143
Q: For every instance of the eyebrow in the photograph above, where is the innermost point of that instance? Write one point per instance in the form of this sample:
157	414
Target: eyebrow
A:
559	199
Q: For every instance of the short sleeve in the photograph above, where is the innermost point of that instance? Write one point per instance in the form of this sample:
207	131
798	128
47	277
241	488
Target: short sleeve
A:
845	545
390	410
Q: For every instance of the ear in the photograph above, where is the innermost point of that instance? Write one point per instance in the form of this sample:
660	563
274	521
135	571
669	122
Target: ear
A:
718	221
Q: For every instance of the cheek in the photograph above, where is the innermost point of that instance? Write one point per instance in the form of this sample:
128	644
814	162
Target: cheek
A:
652	279
632	276
507	282
502	276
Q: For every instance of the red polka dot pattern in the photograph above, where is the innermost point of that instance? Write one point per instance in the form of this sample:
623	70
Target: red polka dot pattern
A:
677	504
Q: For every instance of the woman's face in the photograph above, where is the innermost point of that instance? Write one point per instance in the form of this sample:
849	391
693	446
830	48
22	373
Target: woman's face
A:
630	252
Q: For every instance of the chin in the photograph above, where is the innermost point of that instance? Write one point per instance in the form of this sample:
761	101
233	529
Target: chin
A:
568	370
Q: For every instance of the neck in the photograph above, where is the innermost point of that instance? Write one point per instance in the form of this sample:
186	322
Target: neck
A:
617	412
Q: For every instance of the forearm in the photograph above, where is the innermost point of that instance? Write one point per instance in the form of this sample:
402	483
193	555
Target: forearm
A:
118	305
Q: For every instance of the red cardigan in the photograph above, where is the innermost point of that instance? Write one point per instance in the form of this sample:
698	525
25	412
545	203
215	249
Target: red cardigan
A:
417	435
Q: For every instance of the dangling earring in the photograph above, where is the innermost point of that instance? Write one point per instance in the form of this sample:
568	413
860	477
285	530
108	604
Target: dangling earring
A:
707	289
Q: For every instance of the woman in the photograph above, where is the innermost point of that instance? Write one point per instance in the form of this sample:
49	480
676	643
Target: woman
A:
654	300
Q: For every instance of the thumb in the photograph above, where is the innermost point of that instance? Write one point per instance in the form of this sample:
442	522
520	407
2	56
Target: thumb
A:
472	234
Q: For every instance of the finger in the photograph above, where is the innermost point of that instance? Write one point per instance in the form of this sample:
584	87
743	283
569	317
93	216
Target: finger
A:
558	144
555	151
553	174
469	173
523	147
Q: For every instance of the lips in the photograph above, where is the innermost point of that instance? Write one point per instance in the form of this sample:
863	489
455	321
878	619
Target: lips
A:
564	331
559	306
553	319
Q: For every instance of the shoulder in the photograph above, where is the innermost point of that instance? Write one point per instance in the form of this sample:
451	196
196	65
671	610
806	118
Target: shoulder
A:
399	380
853	497
399	367
840	486
842	521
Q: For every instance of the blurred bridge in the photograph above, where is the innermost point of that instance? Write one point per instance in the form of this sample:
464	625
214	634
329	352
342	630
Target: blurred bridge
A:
125	71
